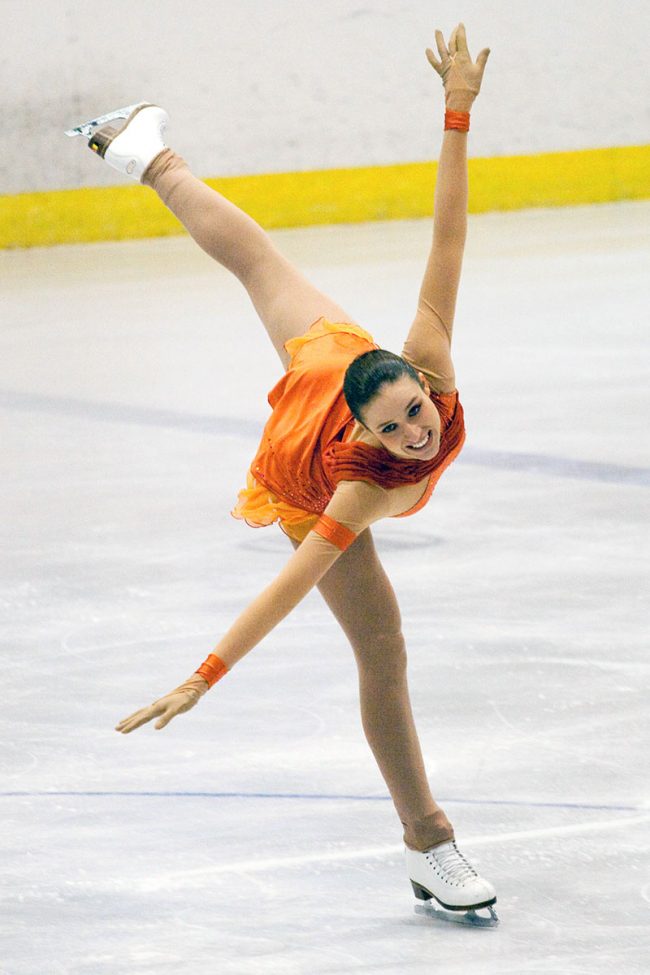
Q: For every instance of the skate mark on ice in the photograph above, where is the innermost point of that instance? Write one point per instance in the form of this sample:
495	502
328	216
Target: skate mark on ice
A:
541	738
187	878
66	648
589	662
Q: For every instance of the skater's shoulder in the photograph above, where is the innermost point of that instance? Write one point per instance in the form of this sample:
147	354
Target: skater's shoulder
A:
359	503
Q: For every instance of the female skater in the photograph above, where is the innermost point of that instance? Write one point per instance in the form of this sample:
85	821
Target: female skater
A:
357	433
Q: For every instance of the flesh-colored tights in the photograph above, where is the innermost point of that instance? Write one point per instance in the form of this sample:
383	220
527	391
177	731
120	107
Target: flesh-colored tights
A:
356	588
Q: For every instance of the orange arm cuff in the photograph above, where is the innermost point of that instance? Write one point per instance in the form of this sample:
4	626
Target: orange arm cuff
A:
212	669
456	120
334	532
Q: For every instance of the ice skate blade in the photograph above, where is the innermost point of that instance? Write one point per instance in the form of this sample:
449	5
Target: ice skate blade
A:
87	128
470	918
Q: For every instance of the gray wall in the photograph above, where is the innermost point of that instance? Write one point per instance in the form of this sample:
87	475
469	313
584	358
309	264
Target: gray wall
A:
254	86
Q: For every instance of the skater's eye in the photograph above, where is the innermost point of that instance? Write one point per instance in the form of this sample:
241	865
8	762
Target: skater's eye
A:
413	411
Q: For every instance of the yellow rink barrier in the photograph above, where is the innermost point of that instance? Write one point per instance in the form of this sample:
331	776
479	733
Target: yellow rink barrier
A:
330	196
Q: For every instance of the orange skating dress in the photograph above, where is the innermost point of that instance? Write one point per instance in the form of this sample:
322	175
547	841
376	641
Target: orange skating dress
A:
311	441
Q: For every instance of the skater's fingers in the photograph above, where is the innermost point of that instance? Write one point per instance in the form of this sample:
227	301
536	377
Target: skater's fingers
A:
461	40
452	45
442	47
121	725
481	58
130	724
170	713
432	61
138	718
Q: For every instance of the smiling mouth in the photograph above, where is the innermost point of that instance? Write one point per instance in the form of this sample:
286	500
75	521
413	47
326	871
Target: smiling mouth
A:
422	445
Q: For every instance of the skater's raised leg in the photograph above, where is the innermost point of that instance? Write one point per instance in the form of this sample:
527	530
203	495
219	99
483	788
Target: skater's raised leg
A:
284	299
131	141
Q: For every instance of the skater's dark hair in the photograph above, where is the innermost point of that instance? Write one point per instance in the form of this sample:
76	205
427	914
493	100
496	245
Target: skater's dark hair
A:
368	372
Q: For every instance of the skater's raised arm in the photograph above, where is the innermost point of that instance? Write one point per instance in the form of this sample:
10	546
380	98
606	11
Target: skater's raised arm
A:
429	340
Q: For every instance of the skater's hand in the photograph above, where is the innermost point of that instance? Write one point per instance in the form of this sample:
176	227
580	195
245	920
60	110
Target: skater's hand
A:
165	708
460	76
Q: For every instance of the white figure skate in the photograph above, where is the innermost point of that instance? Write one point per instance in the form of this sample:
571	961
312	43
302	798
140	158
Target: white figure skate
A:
449	887
131	146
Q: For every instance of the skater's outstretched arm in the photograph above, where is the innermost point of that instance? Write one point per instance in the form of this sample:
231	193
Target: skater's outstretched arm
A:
355	505
429	340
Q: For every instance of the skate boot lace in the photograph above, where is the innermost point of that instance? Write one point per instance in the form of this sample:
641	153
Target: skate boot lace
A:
452	863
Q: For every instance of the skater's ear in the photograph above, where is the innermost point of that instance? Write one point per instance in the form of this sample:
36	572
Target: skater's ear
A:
425	384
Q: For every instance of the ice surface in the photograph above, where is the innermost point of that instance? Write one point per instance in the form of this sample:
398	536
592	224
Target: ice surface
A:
255	834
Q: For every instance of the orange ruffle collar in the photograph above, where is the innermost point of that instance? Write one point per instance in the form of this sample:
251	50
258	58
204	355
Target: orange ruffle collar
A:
345	461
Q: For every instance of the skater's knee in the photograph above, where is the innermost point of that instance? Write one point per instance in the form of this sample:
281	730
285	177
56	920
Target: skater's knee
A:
259	266
382	655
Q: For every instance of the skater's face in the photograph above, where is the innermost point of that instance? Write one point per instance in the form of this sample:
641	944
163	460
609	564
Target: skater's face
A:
404	419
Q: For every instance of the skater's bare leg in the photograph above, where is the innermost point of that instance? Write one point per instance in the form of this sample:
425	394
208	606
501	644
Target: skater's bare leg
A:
360	595
284	299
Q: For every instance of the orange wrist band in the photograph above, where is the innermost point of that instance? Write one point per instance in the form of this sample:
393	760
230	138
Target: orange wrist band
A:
212	669
456	120
334	532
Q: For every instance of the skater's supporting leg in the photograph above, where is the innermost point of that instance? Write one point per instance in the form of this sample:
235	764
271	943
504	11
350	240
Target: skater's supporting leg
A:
284	299
360	595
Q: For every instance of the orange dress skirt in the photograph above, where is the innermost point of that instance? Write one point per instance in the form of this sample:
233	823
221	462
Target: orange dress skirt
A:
257	504
306	445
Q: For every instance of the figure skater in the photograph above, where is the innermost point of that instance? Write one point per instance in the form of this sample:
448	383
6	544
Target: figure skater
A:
357	433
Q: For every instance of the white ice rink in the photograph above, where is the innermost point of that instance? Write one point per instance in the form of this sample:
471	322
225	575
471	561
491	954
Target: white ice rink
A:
254	836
